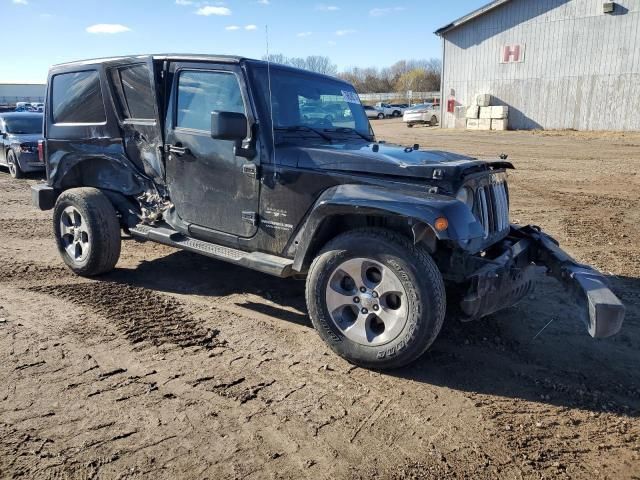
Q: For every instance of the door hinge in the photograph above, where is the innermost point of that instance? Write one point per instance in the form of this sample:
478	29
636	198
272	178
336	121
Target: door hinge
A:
250	217
250	170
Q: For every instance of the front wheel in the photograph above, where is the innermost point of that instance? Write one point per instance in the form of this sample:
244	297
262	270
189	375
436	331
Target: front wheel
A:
380	116
434	121
87	231
375	298
14	166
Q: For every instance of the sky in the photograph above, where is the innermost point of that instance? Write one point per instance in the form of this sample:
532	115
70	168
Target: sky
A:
40	33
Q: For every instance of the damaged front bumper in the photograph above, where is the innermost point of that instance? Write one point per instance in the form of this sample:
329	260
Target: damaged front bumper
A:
509	276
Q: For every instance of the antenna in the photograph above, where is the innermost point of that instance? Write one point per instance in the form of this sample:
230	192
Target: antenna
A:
273	133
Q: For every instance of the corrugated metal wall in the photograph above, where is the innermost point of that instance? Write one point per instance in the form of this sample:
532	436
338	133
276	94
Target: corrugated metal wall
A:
581	68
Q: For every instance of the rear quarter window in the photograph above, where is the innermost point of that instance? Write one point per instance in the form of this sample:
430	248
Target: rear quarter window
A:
134	92
77	98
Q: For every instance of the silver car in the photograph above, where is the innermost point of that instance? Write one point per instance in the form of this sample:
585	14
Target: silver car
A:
373	112
424	113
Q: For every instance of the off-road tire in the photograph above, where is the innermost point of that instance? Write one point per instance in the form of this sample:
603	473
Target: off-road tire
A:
13	165
419	276
102	226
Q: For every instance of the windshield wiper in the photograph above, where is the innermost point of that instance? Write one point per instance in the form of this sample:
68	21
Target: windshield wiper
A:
349	130
304	128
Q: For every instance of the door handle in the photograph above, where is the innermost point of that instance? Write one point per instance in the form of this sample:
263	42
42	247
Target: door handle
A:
178	150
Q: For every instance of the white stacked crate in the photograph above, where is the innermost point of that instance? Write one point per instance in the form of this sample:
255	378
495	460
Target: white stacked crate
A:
460	116
484	116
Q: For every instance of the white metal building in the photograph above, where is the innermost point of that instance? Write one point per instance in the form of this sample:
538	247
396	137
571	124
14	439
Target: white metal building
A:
557	64
11	93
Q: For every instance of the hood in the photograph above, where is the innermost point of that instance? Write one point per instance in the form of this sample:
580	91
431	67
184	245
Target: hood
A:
372	158
24	137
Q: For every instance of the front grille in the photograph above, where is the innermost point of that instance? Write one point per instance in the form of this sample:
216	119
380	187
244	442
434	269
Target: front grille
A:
492	206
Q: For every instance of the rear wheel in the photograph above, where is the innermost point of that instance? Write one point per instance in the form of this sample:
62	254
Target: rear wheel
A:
380	116
375	298
434	121
87	231
14	166
409	125
396	113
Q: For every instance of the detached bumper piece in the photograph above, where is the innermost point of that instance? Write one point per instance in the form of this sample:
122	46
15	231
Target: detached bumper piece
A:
601	311
508	277
500	282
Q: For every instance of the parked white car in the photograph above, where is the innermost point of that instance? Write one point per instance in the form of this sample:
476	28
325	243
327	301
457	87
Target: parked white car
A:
373	112
424	113
391	110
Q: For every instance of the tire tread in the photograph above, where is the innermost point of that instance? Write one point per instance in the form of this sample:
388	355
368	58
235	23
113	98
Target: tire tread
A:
426	266
106	242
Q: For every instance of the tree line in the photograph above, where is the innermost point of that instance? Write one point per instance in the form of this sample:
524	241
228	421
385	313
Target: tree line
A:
417	75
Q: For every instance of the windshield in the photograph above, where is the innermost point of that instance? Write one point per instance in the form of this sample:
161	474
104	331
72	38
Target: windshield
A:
24	125
301	100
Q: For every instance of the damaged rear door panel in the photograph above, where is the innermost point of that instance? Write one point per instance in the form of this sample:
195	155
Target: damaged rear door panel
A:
136	98
103	129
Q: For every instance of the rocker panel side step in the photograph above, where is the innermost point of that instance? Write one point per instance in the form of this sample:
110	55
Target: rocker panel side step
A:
263	262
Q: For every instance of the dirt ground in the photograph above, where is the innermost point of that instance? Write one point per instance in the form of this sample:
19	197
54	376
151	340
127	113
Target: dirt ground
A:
179	366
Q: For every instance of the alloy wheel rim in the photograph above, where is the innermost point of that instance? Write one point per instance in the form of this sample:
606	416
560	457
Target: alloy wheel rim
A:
12	165
367	301
74	234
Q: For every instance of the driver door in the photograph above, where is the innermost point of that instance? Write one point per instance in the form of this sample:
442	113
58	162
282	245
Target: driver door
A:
209	185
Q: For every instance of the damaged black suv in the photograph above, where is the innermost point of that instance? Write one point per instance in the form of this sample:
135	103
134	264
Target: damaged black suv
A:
277	169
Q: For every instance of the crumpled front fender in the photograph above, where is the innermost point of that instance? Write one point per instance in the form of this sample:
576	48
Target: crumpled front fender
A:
380	201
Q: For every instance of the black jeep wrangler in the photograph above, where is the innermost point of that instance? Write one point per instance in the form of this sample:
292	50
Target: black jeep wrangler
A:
249	163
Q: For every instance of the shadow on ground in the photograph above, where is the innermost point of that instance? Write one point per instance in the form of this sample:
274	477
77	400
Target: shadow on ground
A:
516	353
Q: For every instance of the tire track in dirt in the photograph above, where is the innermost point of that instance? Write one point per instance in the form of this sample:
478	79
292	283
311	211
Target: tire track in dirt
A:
142	315
26	271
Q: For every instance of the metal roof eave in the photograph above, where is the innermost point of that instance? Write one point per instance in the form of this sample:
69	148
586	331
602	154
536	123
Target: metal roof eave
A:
470	16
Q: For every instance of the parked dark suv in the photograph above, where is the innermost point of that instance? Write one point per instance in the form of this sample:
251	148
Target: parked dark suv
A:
213	155
19	135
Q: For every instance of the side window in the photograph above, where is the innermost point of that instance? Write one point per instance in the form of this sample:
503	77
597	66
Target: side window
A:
200	93
134	92
77	98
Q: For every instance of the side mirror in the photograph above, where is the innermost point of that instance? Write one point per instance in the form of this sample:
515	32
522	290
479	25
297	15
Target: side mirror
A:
228	125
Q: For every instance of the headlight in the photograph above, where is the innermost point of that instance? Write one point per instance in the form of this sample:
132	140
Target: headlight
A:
465	195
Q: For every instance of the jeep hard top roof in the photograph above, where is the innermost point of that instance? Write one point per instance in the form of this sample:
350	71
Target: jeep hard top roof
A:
185	57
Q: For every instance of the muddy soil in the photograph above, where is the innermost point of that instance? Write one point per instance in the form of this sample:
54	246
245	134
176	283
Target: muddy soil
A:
178	366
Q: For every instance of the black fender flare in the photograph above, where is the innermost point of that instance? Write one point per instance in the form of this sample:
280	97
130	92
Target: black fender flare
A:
422	207
110	172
